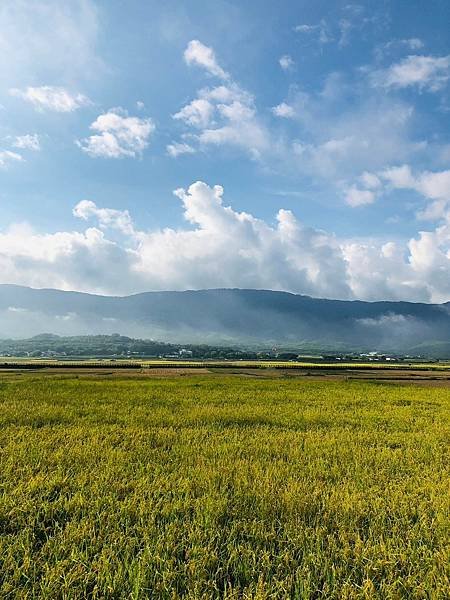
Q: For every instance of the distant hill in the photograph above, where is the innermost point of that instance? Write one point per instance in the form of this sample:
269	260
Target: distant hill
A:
231	316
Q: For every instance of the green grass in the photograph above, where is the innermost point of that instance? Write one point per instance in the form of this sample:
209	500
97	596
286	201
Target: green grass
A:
207	487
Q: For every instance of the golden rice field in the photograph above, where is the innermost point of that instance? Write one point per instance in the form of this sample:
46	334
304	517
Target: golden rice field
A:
208	486
17	362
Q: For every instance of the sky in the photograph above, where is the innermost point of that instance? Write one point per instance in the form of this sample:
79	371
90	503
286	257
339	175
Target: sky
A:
299	145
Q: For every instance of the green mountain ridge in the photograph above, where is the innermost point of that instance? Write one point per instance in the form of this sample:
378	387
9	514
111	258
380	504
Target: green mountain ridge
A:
231	317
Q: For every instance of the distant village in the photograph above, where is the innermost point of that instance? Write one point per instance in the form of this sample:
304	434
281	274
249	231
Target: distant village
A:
117	347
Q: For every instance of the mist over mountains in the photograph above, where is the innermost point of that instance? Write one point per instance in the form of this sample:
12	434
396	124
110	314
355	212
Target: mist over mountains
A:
232	316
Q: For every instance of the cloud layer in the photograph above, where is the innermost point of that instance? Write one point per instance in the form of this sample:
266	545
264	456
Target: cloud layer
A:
221	247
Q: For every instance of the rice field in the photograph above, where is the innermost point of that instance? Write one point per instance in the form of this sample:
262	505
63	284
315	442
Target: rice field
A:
211	486
35	363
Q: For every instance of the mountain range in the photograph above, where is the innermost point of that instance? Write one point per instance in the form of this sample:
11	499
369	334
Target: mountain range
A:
232	316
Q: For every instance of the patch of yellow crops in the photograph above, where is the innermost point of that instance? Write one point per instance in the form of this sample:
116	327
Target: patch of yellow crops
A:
208	487
260	364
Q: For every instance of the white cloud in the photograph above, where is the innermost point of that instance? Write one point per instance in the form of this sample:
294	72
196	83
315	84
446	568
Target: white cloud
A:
197	113
226	248
370	181
239	127
203	56
7	157
51	98
283	110
425	72
343	130
27	142
434	186
65	260
399	177
177	148
225	115
223	248
286	62
229	248
118	135
383	271
357	197
107	217
435	211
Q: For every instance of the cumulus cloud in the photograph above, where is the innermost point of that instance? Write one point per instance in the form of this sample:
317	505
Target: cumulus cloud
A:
237	125
222	115
222	247
197	113
7	157
107	217
286	62
225	115
203	56
65	260
48	97
118	135
425	72
229	248
27	142
434	186
283	110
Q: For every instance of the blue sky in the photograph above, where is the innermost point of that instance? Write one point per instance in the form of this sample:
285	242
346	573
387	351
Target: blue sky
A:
325	124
